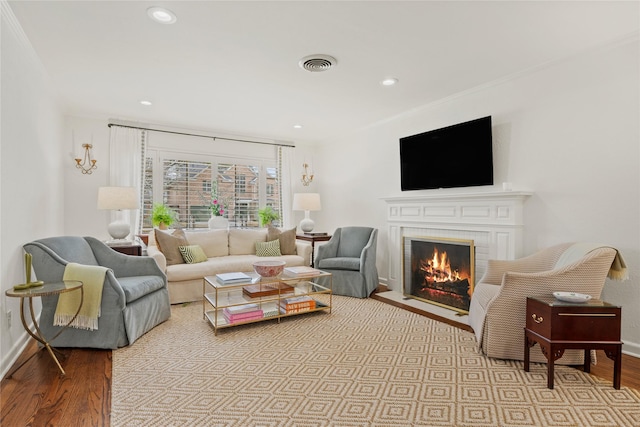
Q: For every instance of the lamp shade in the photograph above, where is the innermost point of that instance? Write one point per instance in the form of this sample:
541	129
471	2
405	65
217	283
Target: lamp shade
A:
116	198
306	202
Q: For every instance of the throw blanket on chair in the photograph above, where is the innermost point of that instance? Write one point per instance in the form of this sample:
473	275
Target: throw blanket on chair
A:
618	270
92	276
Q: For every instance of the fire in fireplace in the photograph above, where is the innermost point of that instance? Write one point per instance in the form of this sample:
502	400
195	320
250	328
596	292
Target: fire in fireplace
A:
439	271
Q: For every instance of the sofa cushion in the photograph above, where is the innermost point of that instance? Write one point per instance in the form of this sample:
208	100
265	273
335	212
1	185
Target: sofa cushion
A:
243	241
287	239
340	263
213	242
168	244
138	286
192	254
271	248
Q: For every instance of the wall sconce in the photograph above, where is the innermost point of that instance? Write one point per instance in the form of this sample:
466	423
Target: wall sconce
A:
87	164
307	176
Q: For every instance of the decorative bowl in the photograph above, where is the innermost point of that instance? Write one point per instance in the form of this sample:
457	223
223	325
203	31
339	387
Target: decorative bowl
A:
268	268
571	296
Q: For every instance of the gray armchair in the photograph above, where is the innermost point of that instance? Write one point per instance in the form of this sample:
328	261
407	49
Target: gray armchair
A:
350	256
134	298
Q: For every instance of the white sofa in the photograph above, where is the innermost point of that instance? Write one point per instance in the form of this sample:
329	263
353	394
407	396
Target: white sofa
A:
227	251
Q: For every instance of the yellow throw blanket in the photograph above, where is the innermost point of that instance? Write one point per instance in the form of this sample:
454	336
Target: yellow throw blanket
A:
92	276
618	270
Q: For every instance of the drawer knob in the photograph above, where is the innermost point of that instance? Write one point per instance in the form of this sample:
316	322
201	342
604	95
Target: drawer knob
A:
537	319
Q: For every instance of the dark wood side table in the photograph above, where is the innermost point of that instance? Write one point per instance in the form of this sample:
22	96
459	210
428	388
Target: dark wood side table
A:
313	238
557	326
132	249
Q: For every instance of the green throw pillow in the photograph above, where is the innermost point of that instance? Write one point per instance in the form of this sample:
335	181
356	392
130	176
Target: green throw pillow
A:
271	248
192	254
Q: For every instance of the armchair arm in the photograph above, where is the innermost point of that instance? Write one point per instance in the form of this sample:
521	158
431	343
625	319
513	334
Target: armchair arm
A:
49	267
540	261
368	256
123	265
329	249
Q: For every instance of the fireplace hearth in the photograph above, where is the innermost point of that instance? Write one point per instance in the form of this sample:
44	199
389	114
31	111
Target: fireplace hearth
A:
439	271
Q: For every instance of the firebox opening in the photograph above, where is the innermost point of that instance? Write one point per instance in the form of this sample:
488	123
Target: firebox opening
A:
439	271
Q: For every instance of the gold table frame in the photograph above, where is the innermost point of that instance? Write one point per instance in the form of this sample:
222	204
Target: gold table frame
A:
48	289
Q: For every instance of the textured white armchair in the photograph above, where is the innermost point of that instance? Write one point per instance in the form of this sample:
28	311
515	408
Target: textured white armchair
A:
498	304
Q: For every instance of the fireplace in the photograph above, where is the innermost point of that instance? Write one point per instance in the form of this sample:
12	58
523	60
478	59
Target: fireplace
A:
439	271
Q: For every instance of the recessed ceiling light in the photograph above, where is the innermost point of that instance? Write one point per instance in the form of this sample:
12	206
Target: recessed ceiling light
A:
389	81
161	15
297	126
146	103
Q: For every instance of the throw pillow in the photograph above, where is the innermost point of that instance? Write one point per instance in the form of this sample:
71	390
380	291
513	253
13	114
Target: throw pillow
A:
192	254
271	248
287	239
169	244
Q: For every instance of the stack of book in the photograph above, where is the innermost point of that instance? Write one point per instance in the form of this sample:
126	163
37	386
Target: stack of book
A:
229	278
301	271
297	304
242	313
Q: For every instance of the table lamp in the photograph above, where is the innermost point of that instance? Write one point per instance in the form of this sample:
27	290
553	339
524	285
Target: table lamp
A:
306	202
118	199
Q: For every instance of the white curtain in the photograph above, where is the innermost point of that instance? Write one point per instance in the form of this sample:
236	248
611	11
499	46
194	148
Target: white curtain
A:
285	159
127	152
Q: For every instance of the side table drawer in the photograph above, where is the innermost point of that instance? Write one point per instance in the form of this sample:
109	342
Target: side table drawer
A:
573	322
539	317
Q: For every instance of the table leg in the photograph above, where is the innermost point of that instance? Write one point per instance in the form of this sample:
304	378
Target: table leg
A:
617	367
39	336
526	352
587	361
550	370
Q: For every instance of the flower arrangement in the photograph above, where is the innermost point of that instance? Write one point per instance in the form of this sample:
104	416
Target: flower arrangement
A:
217	206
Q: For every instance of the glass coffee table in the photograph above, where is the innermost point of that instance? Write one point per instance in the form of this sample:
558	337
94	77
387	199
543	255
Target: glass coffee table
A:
256	299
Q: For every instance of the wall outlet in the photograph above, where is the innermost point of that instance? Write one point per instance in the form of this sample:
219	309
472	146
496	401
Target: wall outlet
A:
8	318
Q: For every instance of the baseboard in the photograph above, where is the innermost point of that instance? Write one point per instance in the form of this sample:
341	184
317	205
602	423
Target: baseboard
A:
14	353
631	348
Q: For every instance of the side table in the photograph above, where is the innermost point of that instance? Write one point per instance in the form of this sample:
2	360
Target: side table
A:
557	326
313	238
54	288
132	249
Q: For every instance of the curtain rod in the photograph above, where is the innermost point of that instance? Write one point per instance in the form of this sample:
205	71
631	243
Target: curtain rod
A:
278	144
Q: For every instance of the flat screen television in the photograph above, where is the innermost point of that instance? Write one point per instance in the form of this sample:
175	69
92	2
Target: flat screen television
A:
460	155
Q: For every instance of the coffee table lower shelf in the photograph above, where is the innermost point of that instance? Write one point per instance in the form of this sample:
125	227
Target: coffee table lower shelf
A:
221	321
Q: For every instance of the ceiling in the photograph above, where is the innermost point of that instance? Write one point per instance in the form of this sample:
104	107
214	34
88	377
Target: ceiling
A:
232	66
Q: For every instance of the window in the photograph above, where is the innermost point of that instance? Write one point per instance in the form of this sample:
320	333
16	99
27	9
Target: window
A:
189	185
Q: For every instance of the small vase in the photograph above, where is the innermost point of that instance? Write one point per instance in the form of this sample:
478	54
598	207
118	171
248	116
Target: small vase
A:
216	222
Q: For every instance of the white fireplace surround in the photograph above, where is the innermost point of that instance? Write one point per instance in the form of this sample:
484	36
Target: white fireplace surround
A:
493	220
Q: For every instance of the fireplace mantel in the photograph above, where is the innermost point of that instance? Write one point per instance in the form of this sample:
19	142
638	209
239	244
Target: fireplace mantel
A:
492	219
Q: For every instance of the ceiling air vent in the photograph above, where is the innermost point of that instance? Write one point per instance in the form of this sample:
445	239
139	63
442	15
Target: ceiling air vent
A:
317	63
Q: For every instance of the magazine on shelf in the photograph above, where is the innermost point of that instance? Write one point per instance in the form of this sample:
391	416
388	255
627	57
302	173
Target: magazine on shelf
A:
227	278
301	271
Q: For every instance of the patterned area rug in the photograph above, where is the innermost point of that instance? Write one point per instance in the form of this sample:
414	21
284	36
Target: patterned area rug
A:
365	364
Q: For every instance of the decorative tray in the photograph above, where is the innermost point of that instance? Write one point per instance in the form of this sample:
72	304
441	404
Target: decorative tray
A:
571	297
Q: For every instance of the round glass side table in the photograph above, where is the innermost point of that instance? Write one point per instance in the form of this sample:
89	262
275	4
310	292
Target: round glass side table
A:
53	288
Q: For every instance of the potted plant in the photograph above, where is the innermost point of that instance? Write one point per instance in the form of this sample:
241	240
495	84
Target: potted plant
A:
267	215
162	216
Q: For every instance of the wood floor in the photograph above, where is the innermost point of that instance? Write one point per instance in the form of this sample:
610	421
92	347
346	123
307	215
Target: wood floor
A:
37	395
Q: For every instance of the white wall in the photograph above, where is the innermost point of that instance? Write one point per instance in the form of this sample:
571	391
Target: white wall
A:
569	132
31	180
